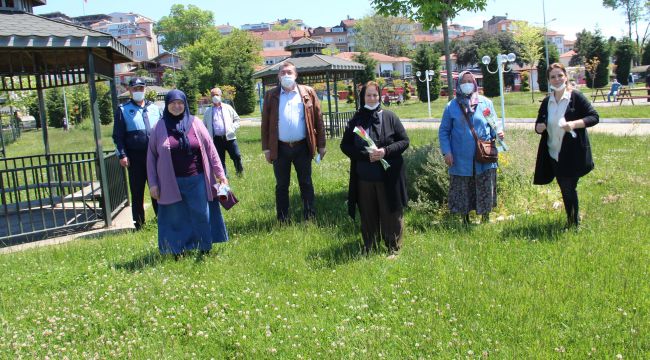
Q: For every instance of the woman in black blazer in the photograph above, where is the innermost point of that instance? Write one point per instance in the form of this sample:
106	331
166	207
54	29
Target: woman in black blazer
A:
379	193
564	152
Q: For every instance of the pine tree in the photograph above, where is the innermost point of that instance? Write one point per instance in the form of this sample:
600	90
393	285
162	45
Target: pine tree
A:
368	74
425	59
54	106
624	54
553	57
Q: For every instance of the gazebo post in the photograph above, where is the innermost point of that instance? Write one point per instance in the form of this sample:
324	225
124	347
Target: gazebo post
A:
336	95
356	94
329	103
94	113
41	114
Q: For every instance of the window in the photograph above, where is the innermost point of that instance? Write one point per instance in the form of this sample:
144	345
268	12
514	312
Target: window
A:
9	3
139	53
341	40
268	44
407	69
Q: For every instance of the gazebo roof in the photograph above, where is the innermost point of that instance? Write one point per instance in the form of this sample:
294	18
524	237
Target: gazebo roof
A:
33	45
312	65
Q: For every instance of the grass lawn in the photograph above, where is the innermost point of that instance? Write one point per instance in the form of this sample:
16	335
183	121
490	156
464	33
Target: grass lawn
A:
518	287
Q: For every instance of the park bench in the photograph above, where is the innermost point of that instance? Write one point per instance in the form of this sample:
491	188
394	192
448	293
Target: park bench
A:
631	95
602	92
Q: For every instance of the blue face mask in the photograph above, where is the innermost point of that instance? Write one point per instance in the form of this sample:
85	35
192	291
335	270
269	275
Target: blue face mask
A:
467	88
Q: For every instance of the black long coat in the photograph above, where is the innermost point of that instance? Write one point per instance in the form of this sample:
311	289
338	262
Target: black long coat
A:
575	158
392	137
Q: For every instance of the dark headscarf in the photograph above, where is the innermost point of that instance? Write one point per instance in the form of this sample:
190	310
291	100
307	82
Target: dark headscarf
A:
470	101
178	124
368	117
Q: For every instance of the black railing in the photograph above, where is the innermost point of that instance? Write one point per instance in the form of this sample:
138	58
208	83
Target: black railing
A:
50	195
335	123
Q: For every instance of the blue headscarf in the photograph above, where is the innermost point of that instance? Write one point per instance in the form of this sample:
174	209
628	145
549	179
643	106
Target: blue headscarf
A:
178	124
470	101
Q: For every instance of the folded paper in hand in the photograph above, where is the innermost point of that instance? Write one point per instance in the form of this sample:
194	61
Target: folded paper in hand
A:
226	198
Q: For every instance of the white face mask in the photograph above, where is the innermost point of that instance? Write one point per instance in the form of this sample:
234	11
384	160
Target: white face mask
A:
558	88
371	107
138	96
467	88
216	99
287	81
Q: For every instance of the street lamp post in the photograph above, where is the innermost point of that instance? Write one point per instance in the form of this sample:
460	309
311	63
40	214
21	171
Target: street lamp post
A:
428	76
502	61
548	85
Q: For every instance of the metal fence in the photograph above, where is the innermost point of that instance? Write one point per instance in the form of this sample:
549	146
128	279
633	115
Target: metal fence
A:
50	195
8	133
335	123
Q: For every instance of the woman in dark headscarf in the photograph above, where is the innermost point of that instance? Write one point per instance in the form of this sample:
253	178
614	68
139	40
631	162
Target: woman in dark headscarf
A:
472	185
184	172
379	192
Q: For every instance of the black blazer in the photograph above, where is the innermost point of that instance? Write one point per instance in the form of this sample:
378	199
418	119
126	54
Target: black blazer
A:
394	140
575	158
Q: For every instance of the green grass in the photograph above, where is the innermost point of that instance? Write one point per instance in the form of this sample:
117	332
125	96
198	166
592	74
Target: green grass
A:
518	105
517	288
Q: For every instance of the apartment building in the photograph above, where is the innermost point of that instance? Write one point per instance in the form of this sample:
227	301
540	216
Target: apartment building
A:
132	30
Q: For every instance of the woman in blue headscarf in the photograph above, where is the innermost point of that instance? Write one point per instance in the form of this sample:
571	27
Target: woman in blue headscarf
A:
184	172
472	185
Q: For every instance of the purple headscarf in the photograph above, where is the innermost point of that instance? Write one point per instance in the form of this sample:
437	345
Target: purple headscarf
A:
470	101
178	123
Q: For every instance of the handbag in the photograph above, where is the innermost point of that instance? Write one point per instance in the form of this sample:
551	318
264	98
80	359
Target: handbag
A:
226	197
486	150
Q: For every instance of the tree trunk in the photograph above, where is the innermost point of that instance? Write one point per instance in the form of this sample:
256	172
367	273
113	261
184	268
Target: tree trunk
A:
450	74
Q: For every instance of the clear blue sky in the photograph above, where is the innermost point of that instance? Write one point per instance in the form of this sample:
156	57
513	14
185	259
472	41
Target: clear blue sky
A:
571	16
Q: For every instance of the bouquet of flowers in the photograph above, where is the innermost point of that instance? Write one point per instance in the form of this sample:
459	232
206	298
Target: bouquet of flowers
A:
492	121
371	144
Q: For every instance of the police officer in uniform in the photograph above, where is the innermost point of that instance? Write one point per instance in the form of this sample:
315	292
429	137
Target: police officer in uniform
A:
131	129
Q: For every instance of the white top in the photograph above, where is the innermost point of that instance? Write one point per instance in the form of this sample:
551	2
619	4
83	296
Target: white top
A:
556	112
291	122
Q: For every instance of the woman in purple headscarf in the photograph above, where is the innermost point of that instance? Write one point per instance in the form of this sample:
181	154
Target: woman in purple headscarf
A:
472	185
184	172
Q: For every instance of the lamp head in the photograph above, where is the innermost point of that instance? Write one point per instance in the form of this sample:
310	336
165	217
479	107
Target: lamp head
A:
417	73
512	57
485	60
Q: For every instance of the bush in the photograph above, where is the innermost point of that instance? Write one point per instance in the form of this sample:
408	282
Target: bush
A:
524	81
427	177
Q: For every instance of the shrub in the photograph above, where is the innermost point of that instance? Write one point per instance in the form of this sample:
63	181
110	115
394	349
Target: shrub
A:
427	178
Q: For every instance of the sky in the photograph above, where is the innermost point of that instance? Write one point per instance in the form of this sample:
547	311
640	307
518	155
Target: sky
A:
565	16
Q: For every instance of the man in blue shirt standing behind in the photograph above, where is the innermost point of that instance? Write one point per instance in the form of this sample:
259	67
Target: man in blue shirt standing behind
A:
131	129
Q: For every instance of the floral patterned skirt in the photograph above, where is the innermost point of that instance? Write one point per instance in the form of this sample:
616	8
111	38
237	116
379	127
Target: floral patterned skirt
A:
478	192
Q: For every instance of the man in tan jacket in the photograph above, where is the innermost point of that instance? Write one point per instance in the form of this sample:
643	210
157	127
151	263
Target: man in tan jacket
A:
292	133
222	121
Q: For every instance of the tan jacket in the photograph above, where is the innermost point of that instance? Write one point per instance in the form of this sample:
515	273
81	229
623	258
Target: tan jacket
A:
313	118
230	117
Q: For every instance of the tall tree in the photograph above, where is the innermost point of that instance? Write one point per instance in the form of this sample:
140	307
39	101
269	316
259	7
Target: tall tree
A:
183	26
599	49
553	57
425	59
369	72
645	59
624	54
634	11
239	53
431	13
54	106
386	35
529	39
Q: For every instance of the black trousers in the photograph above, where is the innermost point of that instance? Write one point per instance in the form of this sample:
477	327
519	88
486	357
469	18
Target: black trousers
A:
568	187
222	144
300	157
137	180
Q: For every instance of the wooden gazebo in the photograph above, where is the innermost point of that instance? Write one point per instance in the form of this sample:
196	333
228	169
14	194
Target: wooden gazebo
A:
315	67
52	194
